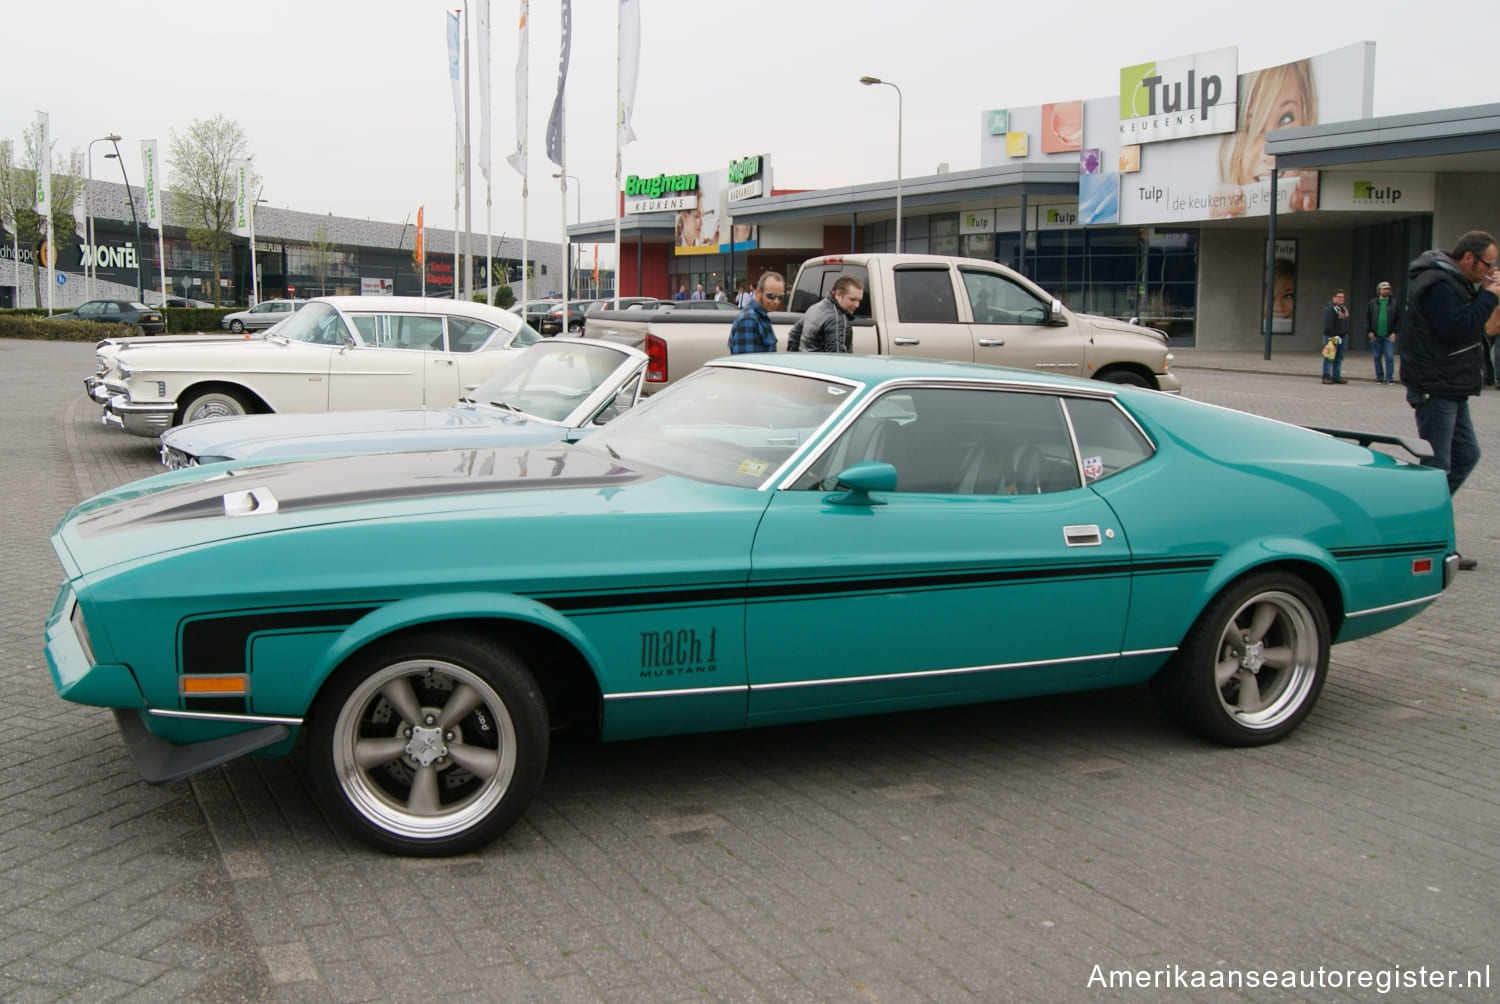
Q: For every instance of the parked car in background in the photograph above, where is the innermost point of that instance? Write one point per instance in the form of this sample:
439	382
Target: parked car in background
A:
773	539
534	311
556	390
554	324
260	316
337	353
146	320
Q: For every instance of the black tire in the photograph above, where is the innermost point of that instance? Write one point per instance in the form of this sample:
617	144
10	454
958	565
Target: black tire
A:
449	770
1127	378
237	326
575	327
1251	668
213	404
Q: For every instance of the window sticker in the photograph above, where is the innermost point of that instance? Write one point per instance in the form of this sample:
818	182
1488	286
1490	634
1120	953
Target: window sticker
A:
1093	468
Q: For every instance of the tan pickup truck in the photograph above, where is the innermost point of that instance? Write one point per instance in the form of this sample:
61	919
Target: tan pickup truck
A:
919	305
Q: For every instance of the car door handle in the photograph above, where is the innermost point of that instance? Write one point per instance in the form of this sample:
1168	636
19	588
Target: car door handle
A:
440	359
1082	536
990	343
907	341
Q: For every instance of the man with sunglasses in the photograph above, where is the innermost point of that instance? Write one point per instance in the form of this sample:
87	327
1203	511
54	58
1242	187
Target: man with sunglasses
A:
752	331
1450	296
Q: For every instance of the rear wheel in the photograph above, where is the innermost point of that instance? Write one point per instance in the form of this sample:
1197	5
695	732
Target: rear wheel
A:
213	404
430	745
1251	668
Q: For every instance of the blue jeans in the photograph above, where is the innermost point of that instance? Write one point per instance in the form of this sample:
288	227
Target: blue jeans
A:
1444	422
1384	351
1334	368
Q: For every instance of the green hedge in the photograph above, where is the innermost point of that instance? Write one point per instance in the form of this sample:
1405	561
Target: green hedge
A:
31	322
26	324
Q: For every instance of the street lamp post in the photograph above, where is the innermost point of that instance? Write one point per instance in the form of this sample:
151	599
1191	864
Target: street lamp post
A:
867	81
140	294
578	210
88	219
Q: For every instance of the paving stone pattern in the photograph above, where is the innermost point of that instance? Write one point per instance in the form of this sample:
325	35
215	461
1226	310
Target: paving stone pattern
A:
999	852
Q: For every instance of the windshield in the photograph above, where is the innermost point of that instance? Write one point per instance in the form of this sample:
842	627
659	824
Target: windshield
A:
549	380
725	426
317	323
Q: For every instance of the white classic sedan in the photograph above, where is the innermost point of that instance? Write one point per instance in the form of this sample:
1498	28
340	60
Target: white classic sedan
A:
338	353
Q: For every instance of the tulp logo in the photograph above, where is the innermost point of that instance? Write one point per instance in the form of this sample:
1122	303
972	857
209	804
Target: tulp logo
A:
1366	193
1168	99
1065	217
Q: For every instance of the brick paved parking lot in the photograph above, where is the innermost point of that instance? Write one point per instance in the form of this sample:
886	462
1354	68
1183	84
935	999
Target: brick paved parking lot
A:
1004	852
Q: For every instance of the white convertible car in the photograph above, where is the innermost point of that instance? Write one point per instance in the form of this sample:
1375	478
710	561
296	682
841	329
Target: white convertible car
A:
338	353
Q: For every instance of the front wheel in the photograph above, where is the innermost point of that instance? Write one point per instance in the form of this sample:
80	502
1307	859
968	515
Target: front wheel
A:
1253	664
213	404
1127	378
237	326
430	745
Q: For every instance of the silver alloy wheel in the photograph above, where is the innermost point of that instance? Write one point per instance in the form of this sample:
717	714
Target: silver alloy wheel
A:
215	404
1267	660
237	326
424	749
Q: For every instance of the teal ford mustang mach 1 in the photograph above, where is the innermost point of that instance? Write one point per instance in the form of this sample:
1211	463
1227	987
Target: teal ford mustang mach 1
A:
774	539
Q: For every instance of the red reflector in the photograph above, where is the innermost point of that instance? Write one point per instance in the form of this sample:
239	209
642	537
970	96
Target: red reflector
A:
1421	566
833	259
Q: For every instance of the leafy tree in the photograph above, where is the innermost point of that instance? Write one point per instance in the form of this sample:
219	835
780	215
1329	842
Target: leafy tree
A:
18	199
321	251
203	184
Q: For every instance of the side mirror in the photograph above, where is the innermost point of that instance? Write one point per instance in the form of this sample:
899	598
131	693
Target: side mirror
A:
862	479
1055	314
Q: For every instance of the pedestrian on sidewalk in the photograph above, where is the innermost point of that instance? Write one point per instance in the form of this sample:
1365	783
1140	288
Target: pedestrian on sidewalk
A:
1383	316
1450	295
1335	331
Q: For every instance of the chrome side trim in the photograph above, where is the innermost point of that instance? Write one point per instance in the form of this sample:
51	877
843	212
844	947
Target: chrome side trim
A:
684	692
221	716
1393	606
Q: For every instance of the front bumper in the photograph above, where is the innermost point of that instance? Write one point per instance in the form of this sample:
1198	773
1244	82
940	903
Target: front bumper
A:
1168	383
149	420
94	387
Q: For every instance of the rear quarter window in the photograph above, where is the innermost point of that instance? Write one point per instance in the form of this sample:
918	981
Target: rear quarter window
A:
816	281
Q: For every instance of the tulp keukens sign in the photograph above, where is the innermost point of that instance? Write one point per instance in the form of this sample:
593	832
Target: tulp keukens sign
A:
1177	98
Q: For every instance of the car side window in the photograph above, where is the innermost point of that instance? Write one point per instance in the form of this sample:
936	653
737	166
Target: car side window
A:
955	441
1108	441
996	299
89	310
925	295
111	308
465	334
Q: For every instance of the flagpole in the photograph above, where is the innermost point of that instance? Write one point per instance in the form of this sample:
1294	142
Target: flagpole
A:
628	40
468	179
484	150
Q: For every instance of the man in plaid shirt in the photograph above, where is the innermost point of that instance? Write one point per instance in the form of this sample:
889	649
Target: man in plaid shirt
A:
752	330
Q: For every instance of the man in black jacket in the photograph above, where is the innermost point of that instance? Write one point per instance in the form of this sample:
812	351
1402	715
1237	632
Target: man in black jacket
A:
1450	296
1383	317
828	325
1335	333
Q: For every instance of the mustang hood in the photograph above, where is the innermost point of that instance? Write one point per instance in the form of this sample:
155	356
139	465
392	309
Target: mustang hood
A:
291	435
298	493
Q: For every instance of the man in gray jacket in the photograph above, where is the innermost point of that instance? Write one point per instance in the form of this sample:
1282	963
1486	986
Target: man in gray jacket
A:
828	324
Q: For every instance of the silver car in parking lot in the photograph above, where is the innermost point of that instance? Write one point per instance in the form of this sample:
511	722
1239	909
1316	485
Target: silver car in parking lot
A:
260	316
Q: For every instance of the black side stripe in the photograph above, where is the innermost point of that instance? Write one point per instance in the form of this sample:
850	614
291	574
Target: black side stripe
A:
215	645
1389	550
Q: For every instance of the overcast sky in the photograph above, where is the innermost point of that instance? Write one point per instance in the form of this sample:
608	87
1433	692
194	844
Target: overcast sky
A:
348	110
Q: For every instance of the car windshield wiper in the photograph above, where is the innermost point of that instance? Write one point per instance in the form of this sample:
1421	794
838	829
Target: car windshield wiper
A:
611	450
506	407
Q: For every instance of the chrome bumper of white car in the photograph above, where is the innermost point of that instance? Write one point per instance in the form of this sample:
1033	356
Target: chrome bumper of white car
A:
149	420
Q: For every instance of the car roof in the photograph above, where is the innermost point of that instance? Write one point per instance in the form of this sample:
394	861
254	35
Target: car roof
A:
422	305
871	369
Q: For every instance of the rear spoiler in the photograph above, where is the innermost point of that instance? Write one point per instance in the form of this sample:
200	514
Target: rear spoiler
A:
1418	448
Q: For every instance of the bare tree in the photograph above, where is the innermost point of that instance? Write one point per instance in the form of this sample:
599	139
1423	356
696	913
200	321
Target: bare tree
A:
322	257
18	200
203	185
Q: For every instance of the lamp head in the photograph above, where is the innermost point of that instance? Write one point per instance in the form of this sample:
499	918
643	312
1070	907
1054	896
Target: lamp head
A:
112	138
867	81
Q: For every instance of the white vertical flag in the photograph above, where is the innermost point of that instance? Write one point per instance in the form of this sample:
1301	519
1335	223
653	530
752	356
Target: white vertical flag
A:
630	69
153	193
44	165
482	15
456	78
517	159
239	171
555	123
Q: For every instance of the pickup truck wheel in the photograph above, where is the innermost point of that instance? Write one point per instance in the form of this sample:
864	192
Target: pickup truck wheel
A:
213	404
430	745
575	327
237	326
1253	664
1128	378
